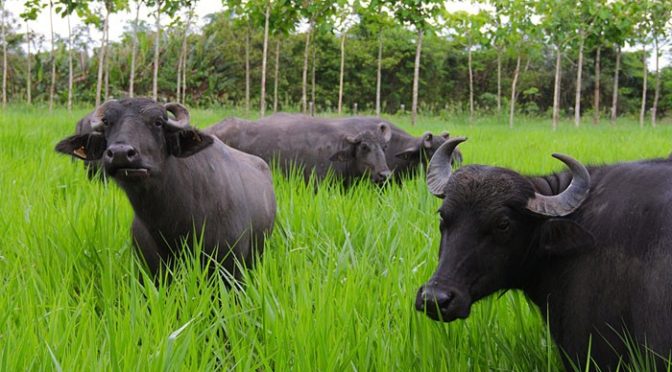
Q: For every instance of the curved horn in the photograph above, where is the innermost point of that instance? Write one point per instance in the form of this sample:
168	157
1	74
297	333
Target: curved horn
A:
96	120
439	170
567	201
181	115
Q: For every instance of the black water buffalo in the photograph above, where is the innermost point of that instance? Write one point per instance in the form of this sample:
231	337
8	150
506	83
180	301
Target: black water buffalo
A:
592	248
405	152
180	180
316	144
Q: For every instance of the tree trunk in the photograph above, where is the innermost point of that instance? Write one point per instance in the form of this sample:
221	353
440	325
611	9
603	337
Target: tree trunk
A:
304	87
70	72
499	80
108	51
471	86
178	88
656	93
312	79
157	40
379	72
29	76
340	79
247	69
134	49
512	105
264	57
184	73
579	71
416	78
614	94
4	56
52	57
101	58
556	88
277	74
642	111
596	92
183	66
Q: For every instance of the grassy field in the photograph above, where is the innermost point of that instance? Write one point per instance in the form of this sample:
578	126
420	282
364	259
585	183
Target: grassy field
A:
334	291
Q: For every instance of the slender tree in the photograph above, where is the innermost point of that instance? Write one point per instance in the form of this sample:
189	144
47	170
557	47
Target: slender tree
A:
661	17
30	12
375	18
52	57
420	14
466	29
619	30
157	51
134	49
262	99
558	23
3	34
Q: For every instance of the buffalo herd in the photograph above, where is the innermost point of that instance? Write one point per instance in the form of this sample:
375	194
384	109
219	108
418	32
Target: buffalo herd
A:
591	246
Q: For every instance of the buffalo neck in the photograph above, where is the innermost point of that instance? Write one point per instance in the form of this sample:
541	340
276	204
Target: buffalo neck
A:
170	197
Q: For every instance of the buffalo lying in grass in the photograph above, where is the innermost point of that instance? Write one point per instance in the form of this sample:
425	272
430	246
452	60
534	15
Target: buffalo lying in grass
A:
315	144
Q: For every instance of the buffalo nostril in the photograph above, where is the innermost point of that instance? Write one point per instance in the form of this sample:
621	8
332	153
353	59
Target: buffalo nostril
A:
436	298
109	153
131	153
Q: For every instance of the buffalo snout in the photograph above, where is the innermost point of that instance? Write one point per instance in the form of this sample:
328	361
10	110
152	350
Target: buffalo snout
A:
381	177
120	154
443	303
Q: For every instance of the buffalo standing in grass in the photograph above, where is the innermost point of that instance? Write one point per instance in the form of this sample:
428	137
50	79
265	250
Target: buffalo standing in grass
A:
591	248
317	145
179	181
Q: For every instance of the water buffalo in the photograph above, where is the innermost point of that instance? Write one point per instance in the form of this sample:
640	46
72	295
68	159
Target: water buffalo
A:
592	248
179	180
318	145
403	154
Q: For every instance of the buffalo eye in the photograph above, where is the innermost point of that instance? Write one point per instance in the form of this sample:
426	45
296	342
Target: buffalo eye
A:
503	225
365	147
158	123
106	123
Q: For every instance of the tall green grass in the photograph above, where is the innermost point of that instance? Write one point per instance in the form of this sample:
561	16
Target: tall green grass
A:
335	289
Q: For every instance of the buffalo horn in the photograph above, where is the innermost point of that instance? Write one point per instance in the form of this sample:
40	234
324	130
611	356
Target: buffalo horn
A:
181	115
567	201
439	170
97	117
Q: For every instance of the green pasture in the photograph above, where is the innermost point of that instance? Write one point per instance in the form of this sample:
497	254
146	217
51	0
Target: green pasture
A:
334	291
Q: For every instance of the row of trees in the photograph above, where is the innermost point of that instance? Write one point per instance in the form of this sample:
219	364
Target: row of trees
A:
352	51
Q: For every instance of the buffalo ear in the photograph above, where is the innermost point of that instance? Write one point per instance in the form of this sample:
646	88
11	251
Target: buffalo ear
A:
408	153
563	237
89	146
187	142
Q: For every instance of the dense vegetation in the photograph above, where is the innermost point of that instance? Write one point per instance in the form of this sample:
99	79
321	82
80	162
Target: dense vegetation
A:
225	58
334	290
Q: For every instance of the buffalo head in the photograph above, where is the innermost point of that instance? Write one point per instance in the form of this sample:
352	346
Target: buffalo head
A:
424	148
366	152
494	225
134	137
